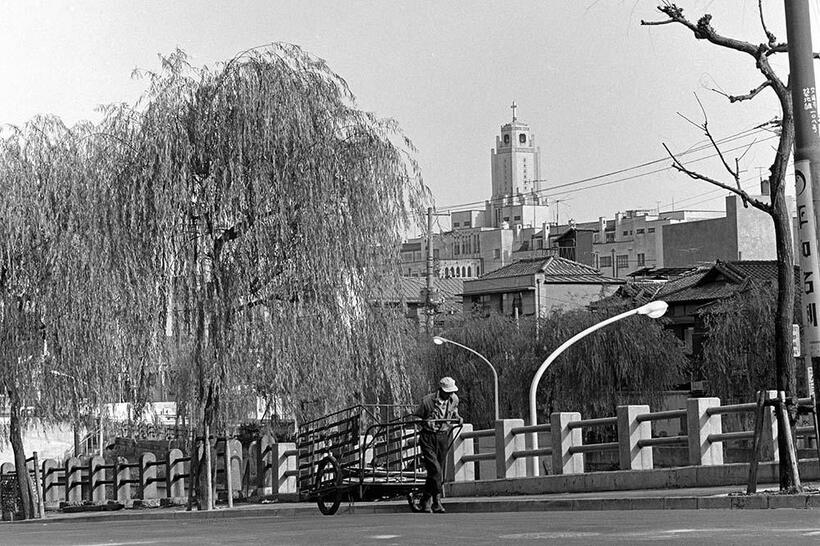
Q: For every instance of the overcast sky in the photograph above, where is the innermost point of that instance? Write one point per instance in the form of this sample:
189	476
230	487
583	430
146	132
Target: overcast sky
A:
600	92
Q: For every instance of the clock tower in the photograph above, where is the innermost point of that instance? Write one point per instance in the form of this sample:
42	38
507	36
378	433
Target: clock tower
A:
516	176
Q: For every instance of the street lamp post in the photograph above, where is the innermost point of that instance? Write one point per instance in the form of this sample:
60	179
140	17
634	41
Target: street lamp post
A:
99	401
438	340
654	309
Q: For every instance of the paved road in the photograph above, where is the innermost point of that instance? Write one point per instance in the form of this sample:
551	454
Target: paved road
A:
683	527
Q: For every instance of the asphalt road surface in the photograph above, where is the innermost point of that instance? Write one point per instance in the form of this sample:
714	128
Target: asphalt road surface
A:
683	527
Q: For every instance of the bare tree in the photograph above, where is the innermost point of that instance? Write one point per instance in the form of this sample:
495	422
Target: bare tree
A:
776	208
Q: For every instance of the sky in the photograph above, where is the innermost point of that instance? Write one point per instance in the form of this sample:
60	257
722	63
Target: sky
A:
600	92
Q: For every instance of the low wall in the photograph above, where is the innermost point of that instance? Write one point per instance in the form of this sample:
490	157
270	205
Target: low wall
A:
624	480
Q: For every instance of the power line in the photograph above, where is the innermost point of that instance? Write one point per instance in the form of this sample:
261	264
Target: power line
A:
693	149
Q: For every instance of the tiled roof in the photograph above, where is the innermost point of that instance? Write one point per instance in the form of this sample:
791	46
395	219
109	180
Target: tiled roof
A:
411	288
556	270
719	281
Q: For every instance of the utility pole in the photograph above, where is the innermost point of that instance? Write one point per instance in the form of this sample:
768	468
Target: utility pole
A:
807	176
428	300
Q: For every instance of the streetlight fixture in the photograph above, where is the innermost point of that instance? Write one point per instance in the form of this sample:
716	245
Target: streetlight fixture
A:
438	340
653	309
99	399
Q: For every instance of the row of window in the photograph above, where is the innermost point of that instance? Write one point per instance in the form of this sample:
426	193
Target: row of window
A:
621	261
639	231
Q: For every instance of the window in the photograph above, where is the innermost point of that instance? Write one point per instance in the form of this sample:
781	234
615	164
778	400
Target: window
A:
641	260
626	233
467	223
455	248
469	274
522	138
639	231
456	224
497	253
610	236
651	230
605	261
622	261
506	139
517	218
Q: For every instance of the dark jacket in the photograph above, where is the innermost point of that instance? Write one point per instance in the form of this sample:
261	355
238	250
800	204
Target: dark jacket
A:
428	410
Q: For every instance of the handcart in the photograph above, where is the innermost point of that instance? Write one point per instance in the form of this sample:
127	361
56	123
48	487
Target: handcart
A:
362	453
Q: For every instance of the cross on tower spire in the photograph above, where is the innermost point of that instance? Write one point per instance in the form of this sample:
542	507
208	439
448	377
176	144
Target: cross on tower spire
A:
514	106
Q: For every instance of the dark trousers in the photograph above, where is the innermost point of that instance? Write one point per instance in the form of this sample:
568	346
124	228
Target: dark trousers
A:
434	453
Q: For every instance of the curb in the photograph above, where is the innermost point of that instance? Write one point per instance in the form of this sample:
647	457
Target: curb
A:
722	502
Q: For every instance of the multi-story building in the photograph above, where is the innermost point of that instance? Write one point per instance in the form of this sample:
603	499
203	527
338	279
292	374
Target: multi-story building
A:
513	219
639	240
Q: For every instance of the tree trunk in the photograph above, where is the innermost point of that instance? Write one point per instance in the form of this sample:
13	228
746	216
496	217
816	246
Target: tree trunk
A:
16	439
784	359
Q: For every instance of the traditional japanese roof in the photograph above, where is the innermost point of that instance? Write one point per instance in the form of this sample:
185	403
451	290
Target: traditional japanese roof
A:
556	270
450	288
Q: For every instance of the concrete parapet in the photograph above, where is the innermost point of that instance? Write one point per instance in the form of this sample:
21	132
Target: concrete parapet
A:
73	479
463	471
506	443
148	476
564	462
701	425
630	432
285	461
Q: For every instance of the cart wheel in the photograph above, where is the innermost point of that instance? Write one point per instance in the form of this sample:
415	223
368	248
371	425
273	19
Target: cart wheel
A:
328	486
414	500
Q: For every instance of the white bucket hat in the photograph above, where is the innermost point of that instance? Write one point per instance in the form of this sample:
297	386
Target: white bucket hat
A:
447	384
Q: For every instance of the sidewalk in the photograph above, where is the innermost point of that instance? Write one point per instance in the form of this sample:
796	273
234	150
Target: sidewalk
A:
725	498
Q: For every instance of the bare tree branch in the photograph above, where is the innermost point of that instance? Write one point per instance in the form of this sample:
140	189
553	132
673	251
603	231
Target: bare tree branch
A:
765	207
769	35
748	96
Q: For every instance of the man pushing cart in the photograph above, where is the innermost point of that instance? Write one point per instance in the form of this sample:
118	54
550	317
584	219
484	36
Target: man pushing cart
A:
438	412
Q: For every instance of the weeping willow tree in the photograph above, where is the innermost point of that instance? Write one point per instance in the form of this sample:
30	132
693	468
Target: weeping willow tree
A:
63	295
633	359
270	209
738	352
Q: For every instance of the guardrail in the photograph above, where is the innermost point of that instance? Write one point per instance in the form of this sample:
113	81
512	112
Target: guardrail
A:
703	437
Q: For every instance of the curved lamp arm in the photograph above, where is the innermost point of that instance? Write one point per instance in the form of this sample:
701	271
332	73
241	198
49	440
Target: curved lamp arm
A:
654	310
438	340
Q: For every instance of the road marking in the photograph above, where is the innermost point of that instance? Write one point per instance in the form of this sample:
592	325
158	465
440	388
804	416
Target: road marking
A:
548	535
129	543
384	537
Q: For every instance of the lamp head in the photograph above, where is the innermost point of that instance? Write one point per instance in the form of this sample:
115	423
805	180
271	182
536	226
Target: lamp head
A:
654	309
438	340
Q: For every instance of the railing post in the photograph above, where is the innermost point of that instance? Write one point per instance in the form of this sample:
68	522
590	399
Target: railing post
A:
283	462
96	479
123	483
73	480
462	471
506	466
175	483
700	425
38	484
768	439
227	460
51	492
563	462
631	456
265	466
148	475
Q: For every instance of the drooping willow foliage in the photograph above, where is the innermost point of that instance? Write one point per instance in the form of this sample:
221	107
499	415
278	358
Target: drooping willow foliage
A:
738	354
233	228
633	359
270	210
